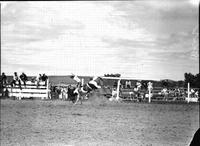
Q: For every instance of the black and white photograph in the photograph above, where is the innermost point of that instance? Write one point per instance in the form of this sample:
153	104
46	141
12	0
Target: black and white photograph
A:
100	73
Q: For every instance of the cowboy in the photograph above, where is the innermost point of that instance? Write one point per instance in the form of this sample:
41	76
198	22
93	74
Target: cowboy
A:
77	79
91	85
16	79
23	78
85	88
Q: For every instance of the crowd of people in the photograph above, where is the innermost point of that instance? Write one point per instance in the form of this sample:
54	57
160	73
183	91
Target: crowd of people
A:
177	92
22	78
40	78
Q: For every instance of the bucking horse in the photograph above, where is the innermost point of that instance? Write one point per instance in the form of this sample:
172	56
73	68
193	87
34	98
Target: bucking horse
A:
77	93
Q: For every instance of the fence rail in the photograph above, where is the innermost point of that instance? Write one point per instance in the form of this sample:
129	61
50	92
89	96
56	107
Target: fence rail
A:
158	95
31	89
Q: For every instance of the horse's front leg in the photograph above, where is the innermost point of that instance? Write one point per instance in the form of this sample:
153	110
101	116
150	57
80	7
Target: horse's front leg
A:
77	98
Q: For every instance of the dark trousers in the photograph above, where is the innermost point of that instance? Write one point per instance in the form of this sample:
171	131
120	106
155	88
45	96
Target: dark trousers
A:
38	83
24	83
4	81
14	83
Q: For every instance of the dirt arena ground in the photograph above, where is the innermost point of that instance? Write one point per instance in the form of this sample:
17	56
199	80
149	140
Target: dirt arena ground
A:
96	122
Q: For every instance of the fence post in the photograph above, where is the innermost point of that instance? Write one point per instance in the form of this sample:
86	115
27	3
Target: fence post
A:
47	89
82	81
118	86
188	96
149	95
150	87
20	94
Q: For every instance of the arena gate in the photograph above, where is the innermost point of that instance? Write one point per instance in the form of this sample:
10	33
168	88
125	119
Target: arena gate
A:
30	91
127	78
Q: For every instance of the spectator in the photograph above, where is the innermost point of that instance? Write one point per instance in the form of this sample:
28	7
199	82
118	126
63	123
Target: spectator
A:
150	85
4	79
128	84
138	85
38	79
192	92
177	92
115	84
58	92
165	93
23	78
15	80
114	93
3	83
144	85
5	92
44	78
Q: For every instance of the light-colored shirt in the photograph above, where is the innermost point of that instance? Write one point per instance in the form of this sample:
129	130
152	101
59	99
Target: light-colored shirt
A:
76	78
16	78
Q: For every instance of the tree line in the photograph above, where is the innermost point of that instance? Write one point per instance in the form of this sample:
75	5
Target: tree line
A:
112	75
193	79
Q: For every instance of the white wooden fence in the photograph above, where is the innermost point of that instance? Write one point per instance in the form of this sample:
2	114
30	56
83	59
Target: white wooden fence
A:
30	90
150	89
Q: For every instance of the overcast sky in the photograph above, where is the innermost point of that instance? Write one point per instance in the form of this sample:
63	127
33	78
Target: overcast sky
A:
148	39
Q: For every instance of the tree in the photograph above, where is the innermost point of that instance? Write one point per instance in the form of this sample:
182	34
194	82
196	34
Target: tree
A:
165	84
180	83
197	80
194	80
168	83
112	75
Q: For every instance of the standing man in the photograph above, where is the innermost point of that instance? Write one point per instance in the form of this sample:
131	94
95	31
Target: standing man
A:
4	79
44	78
150	88
38	79
3	83
150	85
138	85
